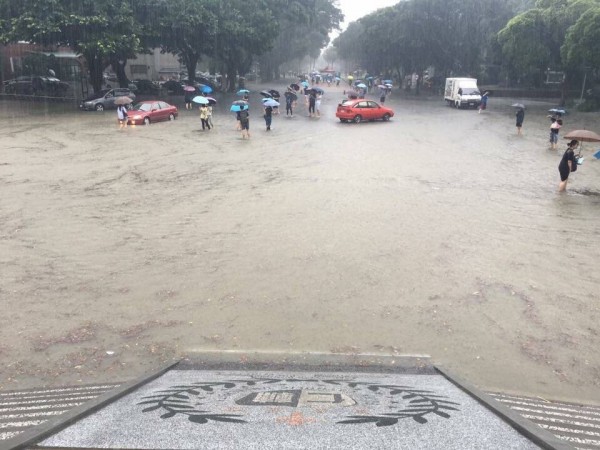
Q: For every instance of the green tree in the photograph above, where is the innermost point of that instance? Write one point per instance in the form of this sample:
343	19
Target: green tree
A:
185	28
98	29
544	37
305	26
454	36
243	29
582	43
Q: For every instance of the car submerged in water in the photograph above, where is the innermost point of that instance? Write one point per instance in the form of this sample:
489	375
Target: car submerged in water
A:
361	110
105	99
145	113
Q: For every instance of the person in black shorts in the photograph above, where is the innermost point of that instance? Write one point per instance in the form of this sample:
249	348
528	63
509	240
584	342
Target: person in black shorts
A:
268	117
520	116
244	118
566	164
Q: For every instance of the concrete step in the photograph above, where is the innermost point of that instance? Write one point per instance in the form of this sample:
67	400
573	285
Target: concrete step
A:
579	425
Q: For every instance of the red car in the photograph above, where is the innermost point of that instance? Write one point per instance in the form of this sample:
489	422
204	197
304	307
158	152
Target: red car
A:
362	110
150	112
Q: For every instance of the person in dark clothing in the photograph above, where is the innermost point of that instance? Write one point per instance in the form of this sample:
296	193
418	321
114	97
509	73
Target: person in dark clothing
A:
312	100
268	117
244	119
566	164
188	96
520	116
289	102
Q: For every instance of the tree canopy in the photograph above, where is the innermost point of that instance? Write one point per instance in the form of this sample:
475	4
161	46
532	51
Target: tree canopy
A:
233	33
454	36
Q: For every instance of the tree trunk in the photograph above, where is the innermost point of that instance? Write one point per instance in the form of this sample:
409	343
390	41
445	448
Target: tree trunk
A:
191	62
231	75
95	67
119	69
563	92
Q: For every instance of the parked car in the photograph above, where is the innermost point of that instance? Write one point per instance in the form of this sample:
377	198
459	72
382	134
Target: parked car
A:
105	99
173	87
146	87
151	111
36	85
360	110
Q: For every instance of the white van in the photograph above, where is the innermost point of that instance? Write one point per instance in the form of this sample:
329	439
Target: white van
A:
462	92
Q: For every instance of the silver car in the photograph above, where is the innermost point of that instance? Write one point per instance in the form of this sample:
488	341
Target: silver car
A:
105	99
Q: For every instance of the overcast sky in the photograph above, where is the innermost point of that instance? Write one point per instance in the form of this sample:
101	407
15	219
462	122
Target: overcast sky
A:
355	9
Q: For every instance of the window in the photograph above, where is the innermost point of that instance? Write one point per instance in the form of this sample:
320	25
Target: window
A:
139	69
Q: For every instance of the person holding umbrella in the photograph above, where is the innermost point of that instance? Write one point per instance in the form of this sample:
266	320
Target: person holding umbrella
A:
122	116
289	103
204	116
121	103
268	116
189	94
312	100
520	114
567	164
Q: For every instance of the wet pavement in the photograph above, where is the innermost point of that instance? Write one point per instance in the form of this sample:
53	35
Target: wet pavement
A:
440	232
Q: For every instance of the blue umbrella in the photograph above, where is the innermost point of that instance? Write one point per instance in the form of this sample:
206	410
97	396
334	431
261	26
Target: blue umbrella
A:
243	92
337	78
207	89
305	84
238	108
387	81
270	102
201	100
319	90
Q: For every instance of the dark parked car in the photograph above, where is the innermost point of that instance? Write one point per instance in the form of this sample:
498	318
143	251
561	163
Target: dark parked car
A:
146	87
36	85
105	99
173	87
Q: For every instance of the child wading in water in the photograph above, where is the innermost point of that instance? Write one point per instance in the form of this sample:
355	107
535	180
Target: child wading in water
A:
554	129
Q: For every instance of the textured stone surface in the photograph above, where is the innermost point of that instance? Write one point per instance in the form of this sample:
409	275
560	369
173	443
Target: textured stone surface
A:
291	410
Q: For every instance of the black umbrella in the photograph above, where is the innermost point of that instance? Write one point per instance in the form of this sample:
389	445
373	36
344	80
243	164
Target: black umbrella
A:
352	95
274	93
266	94
295	87
291	95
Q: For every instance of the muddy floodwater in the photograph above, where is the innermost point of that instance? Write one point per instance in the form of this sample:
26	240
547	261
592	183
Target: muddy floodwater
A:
440	232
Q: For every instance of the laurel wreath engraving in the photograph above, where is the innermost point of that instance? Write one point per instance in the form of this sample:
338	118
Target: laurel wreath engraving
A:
177	401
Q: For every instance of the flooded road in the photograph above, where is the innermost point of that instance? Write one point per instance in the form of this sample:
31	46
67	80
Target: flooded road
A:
440	232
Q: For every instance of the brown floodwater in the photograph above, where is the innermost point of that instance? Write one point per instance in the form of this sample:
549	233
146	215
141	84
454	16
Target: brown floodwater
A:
440	232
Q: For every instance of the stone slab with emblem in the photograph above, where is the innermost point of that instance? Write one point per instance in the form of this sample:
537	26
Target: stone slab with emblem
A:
200	406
